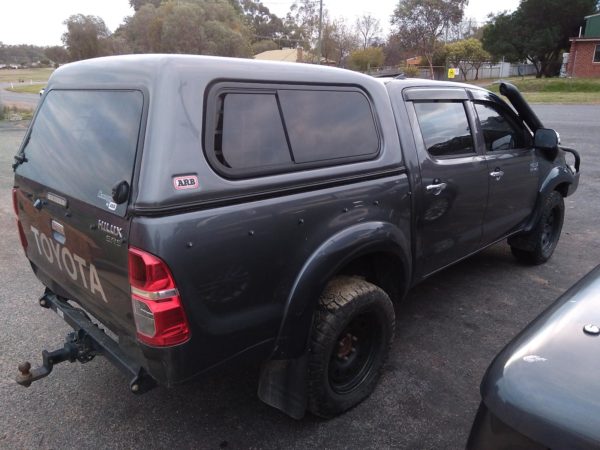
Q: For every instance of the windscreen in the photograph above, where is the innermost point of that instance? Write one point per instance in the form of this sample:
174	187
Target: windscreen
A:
83	143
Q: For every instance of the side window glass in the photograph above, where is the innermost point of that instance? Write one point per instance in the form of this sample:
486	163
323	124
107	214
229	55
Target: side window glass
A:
326	125
499	130
277	130
445	128
252	132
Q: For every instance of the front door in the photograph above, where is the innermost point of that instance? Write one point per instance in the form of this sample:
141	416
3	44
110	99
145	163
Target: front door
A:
453	192
513	170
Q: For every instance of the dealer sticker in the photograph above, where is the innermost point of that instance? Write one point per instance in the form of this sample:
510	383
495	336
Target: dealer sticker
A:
185	182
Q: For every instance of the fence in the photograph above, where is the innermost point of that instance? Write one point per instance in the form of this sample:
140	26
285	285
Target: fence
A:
486	71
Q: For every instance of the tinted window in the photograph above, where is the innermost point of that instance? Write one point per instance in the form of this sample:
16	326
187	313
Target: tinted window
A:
328	124
84	142
278	130
445	128
253	135
499	130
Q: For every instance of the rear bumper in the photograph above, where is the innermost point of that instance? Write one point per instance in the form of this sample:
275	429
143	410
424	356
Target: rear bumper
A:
139	379
167	366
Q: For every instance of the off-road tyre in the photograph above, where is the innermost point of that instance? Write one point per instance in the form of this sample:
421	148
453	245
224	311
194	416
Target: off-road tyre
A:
543	238
353	328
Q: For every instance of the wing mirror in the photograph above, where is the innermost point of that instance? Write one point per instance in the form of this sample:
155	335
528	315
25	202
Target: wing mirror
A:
547	140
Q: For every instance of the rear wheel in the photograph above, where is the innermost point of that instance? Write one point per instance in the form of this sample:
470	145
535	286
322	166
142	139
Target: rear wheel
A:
352	332
543	238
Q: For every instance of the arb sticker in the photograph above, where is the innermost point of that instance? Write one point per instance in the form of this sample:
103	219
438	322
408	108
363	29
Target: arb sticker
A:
185	182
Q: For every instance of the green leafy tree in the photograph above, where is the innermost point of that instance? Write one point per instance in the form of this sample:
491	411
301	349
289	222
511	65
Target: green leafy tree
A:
539	30
302	23
467	54
57	54
139	4
85	36
420	24
188	26
367	59
263	24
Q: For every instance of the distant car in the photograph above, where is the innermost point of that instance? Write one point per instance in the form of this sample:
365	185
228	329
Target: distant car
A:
42	91
543	389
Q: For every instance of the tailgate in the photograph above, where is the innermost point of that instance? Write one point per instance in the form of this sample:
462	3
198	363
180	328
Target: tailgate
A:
81	146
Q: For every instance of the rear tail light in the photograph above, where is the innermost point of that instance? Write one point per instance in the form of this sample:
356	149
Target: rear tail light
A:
157	310
19	225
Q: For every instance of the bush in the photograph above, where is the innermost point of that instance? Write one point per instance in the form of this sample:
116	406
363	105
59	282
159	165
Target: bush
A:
411	71
366	59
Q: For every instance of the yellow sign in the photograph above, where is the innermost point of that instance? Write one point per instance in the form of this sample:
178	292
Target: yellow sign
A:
451	73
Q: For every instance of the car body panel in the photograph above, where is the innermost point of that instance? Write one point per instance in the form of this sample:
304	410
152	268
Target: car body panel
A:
545	384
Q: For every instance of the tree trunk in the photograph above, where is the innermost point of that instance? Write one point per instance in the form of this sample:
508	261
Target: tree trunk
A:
430	62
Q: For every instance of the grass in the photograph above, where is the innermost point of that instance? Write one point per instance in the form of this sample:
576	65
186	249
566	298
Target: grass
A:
557	90
27	75
27	88
15	113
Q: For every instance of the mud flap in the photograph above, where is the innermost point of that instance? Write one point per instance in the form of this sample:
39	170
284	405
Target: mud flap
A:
282	385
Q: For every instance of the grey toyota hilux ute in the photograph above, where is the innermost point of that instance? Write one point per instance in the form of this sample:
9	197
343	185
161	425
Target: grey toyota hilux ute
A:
187	211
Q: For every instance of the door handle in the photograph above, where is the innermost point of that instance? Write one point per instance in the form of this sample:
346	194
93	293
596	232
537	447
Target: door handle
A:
436	189
497	174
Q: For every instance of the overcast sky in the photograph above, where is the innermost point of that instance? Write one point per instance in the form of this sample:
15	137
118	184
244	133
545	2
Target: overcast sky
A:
40	22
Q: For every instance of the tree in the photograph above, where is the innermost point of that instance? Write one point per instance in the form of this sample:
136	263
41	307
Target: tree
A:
421	23
263	24
188	26
368	27
366	59
346	41
85	36
539	30
302	22
138	4
467	54
143	31
57	54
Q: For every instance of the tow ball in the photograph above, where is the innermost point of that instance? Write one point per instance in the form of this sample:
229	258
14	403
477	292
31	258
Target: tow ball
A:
77	348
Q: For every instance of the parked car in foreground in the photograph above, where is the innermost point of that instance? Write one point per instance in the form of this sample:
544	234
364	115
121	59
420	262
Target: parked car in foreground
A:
543	389
203	210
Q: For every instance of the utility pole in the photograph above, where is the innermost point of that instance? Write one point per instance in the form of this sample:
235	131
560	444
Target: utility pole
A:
320	45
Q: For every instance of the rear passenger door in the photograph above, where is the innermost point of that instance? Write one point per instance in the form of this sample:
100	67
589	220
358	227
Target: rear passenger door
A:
452	194
513	169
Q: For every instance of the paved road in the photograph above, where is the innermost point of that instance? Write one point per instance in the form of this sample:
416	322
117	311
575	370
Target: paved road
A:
22	100
448	330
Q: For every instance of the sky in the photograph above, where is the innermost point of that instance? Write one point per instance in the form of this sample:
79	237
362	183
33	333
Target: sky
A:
40	22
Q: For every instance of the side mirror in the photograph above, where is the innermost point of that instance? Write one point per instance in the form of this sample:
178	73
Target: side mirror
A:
546	139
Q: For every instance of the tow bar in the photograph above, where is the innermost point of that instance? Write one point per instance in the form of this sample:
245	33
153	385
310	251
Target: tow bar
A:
77	348
83	344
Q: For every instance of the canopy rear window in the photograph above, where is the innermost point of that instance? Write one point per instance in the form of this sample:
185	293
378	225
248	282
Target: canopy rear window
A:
83	143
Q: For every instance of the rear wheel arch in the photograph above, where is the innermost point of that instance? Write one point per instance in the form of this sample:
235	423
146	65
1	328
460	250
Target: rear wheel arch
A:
376	252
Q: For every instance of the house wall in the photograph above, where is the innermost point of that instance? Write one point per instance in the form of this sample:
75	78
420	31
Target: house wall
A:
581	57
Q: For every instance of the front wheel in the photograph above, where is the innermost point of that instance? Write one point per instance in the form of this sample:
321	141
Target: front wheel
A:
543	238
352	332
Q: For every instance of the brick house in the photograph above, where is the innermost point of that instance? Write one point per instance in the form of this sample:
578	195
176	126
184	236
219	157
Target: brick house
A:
584	56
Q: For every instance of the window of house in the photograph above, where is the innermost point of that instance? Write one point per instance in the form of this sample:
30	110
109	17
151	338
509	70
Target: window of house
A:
500	131
597	54
275	130
445	128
